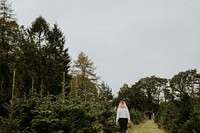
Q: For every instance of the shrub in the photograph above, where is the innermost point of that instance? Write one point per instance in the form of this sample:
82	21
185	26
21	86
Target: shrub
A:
136	117
55	115
192	125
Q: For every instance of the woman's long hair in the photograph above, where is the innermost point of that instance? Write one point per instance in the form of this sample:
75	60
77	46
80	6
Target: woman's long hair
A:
122	104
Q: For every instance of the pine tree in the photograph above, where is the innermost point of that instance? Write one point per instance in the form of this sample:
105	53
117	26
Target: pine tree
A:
105	92
47	56
57	61
9	34
37	34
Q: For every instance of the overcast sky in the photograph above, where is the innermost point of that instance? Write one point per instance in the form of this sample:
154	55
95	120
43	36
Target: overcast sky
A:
126	39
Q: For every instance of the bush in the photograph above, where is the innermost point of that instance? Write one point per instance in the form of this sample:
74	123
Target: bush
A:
192	125
10	123
136	117
179	116
107	118
54	115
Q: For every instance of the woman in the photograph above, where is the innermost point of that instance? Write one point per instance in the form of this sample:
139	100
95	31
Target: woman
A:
123	116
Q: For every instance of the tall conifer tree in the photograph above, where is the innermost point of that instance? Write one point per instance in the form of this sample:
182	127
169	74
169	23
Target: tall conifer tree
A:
9	31
86	77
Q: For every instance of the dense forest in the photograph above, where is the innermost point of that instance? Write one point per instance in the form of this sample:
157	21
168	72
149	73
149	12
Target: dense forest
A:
43	90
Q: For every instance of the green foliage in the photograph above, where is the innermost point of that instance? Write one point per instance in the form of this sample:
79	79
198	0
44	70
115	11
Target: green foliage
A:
107	117
84	82
10	123
137	117
181	112
179	116
42	63
105	92
9	33
40	59
144	94
37	53
52	114
170	117
50	58
192	124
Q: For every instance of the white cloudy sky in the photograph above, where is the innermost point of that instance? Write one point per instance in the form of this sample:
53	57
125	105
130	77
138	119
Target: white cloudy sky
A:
126	39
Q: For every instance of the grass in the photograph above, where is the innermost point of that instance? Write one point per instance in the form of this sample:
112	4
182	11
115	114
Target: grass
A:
148	127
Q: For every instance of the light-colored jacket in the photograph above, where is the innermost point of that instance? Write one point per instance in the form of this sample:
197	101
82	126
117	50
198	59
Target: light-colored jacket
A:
122	113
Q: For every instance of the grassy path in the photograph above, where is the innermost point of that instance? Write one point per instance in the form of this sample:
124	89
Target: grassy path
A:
147	127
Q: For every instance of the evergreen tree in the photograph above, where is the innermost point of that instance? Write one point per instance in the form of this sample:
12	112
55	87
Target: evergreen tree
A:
86	67
28	63
57	62
86	77
9	33
48	57
37	34
105	92
179	113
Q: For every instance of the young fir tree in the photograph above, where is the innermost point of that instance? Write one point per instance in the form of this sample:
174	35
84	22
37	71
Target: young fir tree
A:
105	92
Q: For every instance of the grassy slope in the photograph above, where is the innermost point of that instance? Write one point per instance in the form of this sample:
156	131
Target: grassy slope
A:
147	127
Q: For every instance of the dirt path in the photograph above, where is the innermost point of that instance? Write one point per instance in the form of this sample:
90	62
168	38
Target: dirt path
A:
147	127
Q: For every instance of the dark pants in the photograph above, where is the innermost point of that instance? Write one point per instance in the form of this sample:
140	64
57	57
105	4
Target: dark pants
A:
123	124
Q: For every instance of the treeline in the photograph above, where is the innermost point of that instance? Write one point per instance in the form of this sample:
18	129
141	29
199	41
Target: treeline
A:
35	59
175	102
41	88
